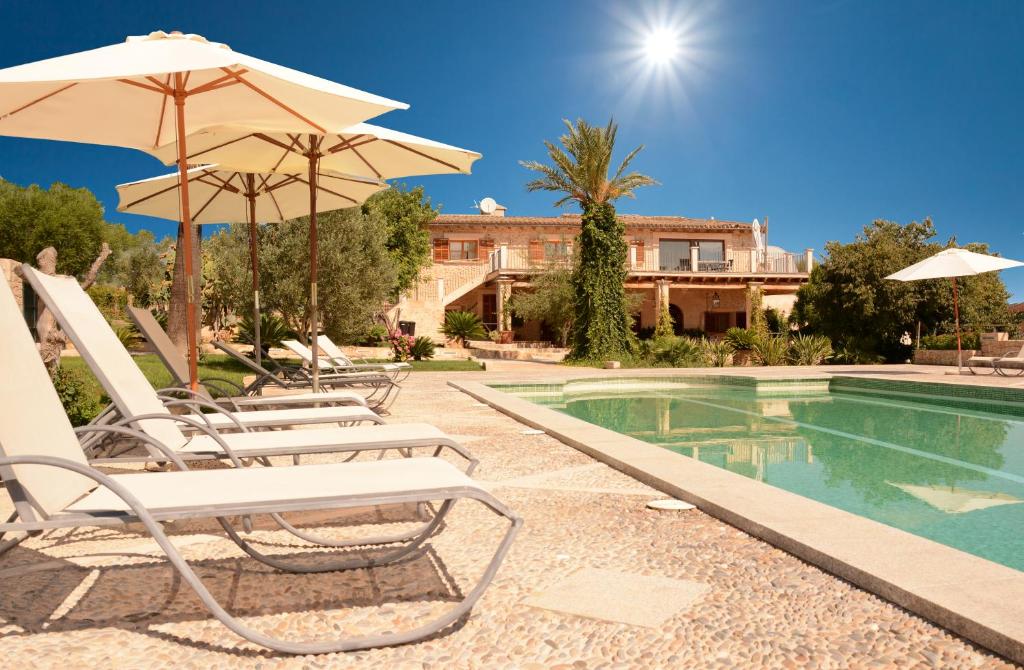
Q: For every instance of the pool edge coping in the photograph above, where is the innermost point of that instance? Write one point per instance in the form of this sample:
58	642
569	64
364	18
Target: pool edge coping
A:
973	597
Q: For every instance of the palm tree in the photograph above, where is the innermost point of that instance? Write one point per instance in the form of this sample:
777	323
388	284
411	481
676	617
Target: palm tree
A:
580	172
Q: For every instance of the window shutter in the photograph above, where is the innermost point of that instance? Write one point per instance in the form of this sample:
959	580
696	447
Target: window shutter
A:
639	254
536	251
485	247
440	249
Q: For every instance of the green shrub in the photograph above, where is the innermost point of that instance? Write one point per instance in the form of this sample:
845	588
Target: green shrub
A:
422	348
112	301
948	341
376	335
677	352
741	339
462	327
717	353
770	350
127	335
810	349
273	330
79	404
773	320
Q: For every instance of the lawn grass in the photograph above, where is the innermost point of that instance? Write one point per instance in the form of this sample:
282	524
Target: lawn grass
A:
224	367
452	365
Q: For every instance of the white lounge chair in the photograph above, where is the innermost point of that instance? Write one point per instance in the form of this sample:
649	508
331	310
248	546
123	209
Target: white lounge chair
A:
223	389
52	486
333	353
998	364
143	409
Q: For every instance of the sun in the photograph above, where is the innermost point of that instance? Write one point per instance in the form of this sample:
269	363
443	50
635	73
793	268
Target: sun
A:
661	46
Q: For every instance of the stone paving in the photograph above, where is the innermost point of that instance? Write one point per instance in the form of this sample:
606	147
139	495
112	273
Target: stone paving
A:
105	598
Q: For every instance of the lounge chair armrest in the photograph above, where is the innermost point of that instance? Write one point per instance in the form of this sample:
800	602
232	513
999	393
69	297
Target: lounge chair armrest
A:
218	381
201	427
138	435
196	403
170	390
138	509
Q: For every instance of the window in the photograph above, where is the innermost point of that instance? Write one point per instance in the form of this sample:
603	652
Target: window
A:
490	310
462	250
675	254
556	250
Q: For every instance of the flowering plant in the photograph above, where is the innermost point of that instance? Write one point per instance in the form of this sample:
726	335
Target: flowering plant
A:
401	345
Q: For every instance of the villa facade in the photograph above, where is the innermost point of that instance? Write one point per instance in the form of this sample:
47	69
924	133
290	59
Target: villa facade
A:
708	272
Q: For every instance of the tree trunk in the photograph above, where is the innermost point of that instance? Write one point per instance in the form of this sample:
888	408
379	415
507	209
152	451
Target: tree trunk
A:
176	328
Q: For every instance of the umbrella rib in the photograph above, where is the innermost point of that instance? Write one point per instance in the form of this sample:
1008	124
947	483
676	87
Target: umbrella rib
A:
163	110
287	180
220	146
327	190
346	144
219	82
420	153
280	214
272	99
213	197
160	88
173	187
38	100
271	140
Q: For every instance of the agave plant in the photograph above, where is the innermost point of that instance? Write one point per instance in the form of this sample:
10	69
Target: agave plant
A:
741	339
810	349
462	327
273	330
422	348
771	350
718	353
677	352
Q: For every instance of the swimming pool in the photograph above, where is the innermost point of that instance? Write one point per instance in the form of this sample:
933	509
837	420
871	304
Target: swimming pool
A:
943	462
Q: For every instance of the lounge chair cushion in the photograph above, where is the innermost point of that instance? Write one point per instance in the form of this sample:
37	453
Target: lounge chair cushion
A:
293	416
242	488
326	439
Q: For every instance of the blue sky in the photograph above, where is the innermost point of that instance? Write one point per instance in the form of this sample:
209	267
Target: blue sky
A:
821	115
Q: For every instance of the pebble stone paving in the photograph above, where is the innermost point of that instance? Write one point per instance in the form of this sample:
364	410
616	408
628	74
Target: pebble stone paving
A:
93	598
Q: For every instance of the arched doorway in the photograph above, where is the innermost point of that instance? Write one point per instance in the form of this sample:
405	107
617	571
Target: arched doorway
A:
677	318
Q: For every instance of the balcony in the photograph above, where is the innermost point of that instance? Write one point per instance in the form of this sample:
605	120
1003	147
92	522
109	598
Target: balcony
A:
750	262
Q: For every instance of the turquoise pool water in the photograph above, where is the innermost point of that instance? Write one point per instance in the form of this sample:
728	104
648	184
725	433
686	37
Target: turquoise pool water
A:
945	468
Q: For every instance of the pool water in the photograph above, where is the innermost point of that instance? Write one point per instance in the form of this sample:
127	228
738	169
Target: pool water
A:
941	471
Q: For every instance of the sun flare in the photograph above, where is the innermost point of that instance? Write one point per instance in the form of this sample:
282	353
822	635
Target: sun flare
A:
661	46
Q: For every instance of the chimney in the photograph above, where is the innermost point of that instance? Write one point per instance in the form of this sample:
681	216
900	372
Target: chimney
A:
499	210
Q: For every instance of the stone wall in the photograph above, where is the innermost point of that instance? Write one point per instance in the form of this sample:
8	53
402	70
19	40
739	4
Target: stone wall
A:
940	356
1000	347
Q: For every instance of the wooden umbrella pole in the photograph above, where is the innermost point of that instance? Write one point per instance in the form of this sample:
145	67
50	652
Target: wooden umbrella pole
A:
186	222
255	260
956	320
314	250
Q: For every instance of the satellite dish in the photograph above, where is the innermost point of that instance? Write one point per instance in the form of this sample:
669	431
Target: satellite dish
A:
488	206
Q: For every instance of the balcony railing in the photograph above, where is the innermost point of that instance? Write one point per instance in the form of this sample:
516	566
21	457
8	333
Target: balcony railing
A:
736	261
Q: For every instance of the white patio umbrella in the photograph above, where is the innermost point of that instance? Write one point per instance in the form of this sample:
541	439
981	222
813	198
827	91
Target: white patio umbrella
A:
953	263
361	150
228	196
157	88
955	499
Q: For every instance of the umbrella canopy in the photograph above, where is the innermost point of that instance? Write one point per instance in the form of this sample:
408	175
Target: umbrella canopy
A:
950	264
223	196
953	263
363	149
135	94
227	196
124	94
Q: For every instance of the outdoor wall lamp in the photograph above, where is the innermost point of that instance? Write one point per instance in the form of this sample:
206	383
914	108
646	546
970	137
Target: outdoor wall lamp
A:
716	300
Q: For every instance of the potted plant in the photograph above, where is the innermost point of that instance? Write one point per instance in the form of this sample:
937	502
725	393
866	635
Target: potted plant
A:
742	341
